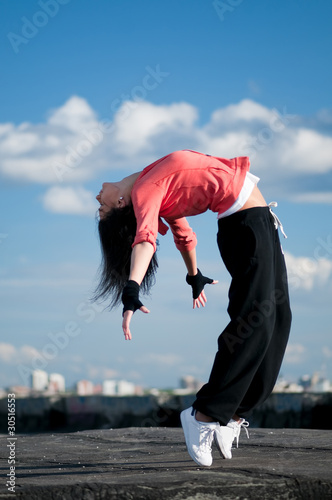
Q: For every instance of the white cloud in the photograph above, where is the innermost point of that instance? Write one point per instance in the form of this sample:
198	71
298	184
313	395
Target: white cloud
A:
100	372
7	352
245	111
148	121
74	145
295	353
11	355
74	115
306	150
28	353
34	152
20	142
167	359
70	200
308	273
315	197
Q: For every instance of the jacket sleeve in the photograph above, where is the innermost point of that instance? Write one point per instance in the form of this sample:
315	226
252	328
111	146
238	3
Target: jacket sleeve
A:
184	237
146	207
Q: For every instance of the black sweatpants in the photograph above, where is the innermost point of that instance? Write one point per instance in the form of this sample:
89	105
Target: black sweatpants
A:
252	346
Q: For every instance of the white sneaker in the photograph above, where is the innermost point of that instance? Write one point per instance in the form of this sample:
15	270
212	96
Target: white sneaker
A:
199	437
237	426
223	437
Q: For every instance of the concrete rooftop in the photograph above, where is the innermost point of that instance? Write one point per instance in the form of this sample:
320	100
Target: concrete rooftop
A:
152	463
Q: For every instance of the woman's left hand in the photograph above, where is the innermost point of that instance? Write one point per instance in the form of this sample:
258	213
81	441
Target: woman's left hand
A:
201	299
197	283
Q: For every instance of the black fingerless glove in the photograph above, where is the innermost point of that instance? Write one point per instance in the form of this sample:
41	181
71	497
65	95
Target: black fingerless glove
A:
130	298
197	283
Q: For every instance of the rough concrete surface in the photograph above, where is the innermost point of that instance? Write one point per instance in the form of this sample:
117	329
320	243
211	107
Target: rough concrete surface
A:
152	463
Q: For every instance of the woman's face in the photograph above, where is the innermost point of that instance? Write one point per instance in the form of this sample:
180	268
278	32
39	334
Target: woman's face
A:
108	198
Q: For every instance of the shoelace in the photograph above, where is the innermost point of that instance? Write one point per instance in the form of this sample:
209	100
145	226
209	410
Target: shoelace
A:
237	429
277	222
206	437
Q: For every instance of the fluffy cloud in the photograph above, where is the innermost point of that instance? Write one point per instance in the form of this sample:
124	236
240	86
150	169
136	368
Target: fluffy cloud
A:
36	152
70	200
307	273
295	353
73	145
7	352
315	197
100	372
165	359
12	355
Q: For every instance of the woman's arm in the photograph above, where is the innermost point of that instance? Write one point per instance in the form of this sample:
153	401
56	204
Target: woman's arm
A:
191	265
190	261
140	259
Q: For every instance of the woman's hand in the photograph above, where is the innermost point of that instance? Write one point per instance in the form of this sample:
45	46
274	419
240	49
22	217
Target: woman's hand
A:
127	315
197	283
201	299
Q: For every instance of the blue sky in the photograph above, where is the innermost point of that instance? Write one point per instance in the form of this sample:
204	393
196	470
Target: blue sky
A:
95	90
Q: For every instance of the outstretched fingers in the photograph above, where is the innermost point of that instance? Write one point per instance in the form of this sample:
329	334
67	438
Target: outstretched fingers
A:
126	324
127	316
201	299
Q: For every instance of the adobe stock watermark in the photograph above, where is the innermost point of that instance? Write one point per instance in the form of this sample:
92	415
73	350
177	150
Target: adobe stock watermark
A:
225	7
93	137
11	475
59	341
256	318
30	27
309	266
277	124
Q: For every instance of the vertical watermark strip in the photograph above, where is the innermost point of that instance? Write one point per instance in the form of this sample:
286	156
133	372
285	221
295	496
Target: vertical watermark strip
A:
11	443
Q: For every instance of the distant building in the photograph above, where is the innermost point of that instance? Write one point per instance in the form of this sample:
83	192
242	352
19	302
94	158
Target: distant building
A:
39	380
321	385
109	387
98	389
315	383
125	388
189	384
84	388
20	391
283	385
305	382
56	383
118	388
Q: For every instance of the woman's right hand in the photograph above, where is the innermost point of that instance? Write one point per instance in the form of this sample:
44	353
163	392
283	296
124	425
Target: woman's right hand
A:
127	315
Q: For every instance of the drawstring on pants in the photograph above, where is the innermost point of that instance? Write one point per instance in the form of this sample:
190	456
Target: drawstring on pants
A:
277	222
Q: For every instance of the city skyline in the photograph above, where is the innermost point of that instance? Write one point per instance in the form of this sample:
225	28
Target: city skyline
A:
50	384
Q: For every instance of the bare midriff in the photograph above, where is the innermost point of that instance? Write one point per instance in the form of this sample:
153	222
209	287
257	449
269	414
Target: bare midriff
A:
256	199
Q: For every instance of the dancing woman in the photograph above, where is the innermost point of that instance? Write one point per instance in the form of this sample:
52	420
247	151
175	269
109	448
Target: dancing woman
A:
252	346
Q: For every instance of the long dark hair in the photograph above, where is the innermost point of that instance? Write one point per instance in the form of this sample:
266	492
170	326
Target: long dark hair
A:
116	233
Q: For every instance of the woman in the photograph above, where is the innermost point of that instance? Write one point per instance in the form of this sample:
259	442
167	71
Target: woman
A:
251	347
